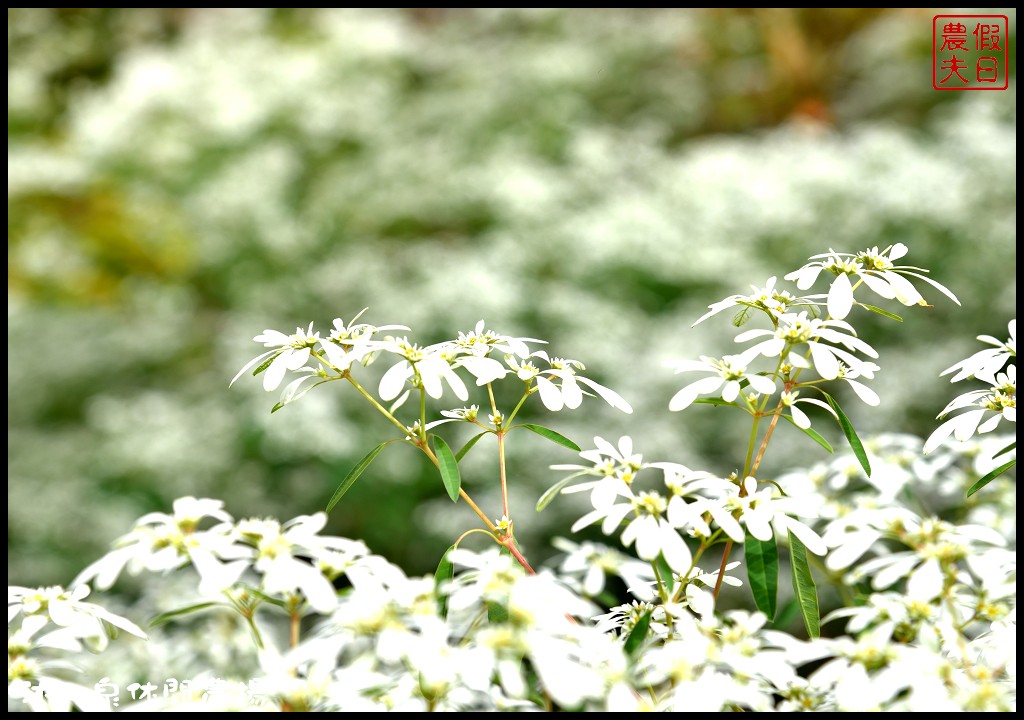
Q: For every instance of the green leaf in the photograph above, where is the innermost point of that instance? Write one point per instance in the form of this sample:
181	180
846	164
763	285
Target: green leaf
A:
714	401
1008	448
496	613
812	434
990	476
171	614
763	573
638	634
667	576
803	586
277	406
445	572
354	474
880	311
264	365
469	445
552	491
851	435
552	436
449	468
740	318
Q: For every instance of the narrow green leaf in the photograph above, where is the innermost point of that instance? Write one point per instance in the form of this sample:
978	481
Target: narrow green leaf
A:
171	614
552	436
444	573
990	476
880	311
469	445
740	318
763	573
265	364
667	575
803	586
714	401
812	434
552	491
449	468
851	435
638	634
277	406
1008	448
354	474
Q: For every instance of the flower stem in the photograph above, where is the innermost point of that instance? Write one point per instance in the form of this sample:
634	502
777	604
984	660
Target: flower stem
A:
502	472
294	629
515	410
767	437
721	568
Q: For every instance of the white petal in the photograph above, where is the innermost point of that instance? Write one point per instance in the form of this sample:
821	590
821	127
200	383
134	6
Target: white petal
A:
607	394
853	546
726	521
897	251
549	394
393	381
805	276
808	537
840	297
298	358
763	385
648	540
685	397
571	393
824	361
878	285
731	390
865	393
456	384
925	582
939	435
274	374
251	363
673	547
966	424
799	417
906	293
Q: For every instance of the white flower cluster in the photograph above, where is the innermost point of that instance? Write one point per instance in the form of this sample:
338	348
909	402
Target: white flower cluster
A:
800	339
430	368
930	619
996	367
46	627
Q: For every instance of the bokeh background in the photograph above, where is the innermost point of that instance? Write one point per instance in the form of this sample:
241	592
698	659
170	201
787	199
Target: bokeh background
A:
180	179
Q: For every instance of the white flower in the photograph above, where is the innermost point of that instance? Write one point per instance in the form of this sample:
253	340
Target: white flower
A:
67	610
162	542
729	373
566	392
649	528
290	352
426	366
479	342
998	401
762	513
278	549
798	329
774	302
347	344
592	563
875	269
790	400
984	364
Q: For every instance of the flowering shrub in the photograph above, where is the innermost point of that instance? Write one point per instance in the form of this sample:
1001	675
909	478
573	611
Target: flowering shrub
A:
921	578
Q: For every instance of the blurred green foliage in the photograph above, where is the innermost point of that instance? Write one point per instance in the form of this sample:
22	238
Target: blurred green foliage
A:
180	179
